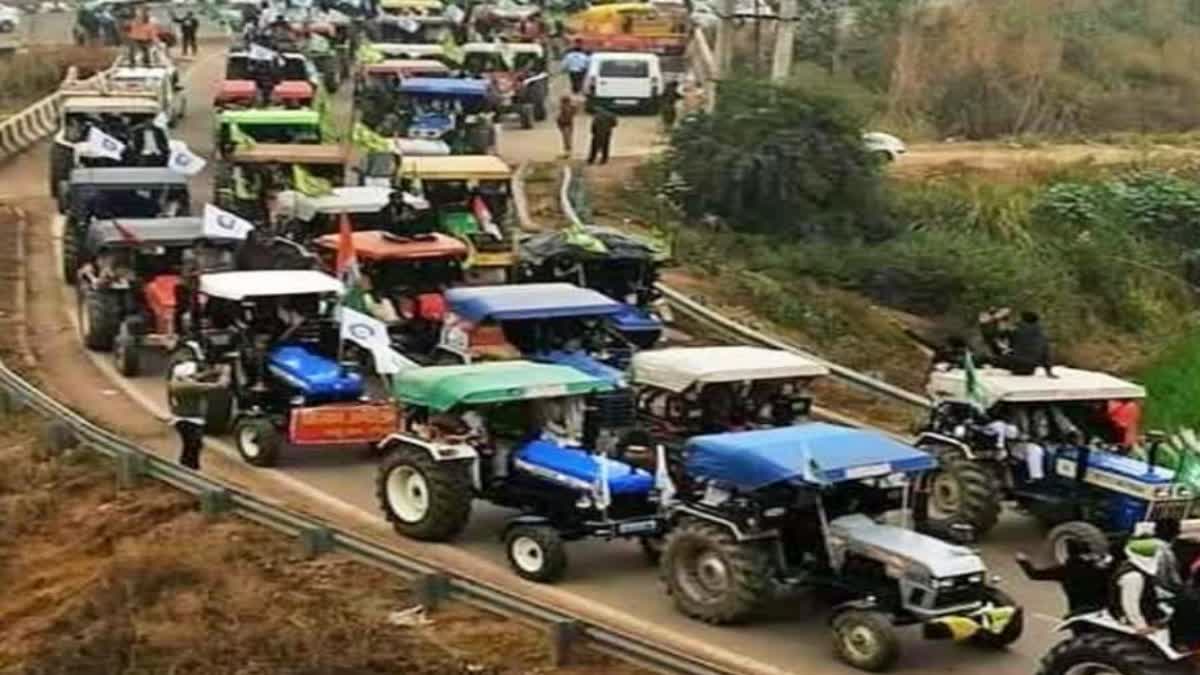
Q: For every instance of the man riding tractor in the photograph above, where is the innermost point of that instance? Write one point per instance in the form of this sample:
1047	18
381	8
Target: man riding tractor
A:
248	177
455	111
518	73
468	197
267	125
130	286
106	193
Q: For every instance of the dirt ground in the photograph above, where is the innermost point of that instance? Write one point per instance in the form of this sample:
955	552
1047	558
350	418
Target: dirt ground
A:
104	581
1011	159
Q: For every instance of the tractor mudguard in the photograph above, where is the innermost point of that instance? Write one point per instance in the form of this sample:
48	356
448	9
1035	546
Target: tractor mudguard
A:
523	519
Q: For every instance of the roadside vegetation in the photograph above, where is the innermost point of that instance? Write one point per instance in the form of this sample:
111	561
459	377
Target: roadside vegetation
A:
26	77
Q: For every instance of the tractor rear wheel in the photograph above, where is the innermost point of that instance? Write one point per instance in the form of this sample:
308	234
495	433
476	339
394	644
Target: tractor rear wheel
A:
963	491
713	577
1101	653
1076	530
99	316
127	349
423	498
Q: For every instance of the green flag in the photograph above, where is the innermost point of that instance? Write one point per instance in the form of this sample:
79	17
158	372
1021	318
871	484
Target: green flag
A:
975	393
241	140
1189	471
308	184
367	140
368	53
581	238
450	48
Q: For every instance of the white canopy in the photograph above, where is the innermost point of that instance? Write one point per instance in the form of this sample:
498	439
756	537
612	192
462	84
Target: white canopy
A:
999	385
678	368
264	283
356	199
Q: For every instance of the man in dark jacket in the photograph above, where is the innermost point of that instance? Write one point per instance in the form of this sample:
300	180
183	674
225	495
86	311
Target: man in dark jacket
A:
189	386
1084	577
603	122
1029	348
188	26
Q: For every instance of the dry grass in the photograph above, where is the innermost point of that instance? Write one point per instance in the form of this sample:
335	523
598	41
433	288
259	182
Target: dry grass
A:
26	77
133	582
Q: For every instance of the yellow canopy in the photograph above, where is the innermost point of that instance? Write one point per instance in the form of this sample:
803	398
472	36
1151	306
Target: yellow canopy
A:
455	167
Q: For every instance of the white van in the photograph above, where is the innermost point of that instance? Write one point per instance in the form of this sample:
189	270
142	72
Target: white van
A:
623	80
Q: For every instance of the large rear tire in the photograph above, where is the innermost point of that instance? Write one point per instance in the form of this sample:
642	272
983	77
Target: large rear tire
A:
127	349
963	491
70	253
1075	530
99	317
1108	653
62	159
423	498
713	577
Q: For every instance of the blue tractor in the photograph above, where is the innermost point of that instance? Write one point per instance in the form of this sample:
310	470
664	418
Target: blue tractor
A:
275	329
456	111
1062	448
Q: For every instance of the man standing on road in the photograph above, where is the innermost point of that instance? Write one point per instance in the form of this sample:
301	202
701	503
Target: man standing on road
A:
603	122
188	25
566	123
189	387
575	64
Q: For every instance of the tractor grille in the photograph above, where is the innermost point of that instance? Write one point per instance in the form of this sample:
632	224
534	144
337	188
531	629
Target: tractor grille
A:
1178	508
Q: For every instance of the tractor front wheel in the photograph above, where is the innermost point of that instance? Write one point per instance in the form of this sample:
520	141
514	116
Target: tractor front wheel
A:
1057	540
99	316
127	349
423	498
536	553
713	577
258	441
866	640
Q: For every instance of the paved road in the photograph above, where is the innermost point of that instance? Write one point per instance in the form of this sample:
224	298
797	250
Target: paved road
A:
612	575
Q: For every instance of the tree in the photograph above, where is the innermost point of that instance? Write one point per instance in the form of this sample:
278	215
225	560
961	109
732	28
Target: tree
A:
777	159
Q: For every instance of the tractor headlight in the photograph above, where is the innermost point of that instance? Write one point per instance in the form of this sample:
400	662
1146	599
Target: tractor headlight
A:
1162	493
943	583
976	578
919	576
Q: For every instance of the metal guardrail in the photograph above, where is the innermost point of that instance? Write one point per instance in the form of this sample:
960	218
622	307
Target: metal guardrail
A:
679	301
318	536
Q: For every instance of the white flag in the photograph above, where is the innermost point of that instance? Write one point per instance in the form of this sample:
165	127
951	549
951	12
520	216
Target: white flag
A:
261	53
221	224
183	160
371	334
162	121
100	144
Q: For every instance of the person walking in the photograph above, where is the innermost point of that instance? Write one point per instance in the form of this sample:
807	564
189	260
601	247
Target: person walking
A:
566	123
603	122
575	65
189	387
669	106
188	26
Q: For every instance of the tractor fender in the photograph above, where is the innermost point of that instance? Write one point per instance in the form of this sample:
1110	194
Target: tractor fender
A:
439	452
1104	621
524	519
867	604
942	439
679	511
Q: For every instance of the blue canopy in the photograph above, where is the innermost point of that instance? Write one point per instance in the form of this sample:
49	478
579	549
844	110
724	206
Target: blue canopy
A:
815	453
528	301
444	86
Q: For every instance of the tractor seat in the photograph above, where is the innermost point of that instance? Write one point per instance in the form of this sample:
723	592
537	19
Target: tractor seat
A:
580	470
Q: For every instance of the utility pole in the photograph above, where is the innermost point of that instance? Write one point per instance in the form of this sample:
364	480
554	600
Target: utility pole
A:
725	37
785	41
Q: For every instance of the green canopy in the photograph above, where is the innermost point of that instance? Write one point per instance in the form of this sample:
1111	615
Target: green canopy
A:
443	387
280	116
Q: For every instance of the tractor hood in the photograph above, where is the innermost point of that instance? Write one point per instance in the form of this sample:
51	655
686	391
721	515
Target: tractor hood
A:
584	363
430	126
890	544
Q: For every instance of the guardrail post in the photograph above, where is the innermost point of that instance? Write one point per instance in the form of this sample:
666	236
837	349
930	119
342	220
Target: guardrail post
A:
214	502
57	436
314	541
562	635
131	467
430	590
12	402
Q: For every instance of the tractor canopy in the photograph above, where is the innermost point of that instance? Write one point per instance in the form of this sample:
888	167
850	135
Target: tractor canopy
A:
402	68
412	6
602	243
128	178
150	232
351	200
376	246
678	368
270	117
290	153
111	105
1000	386
446	88
455	167
443	387
404	50
814	454
528	301
268	283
